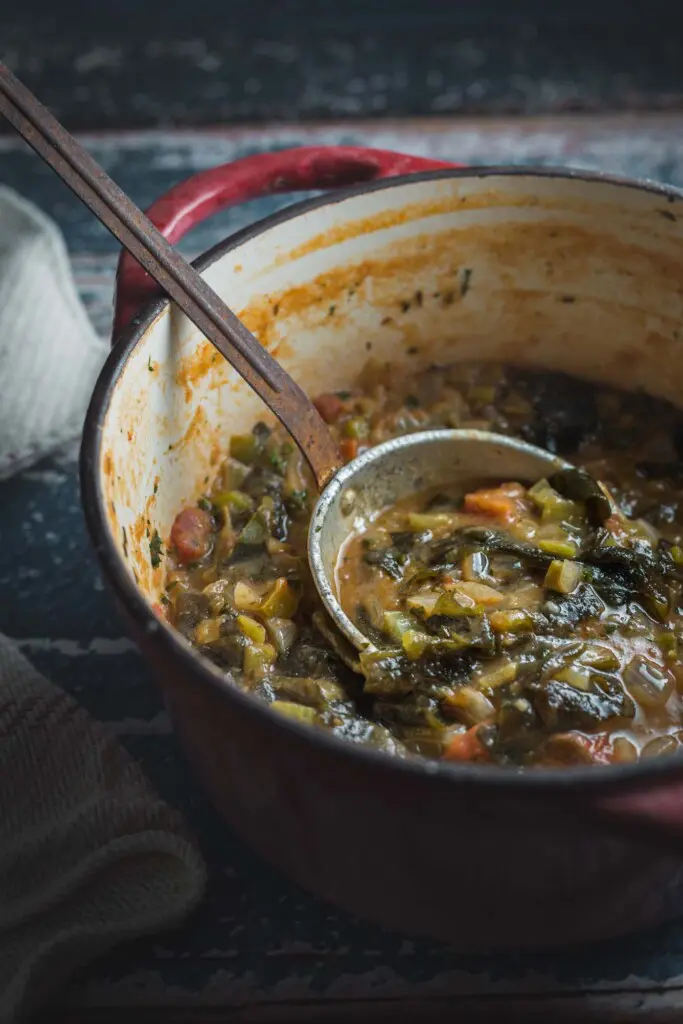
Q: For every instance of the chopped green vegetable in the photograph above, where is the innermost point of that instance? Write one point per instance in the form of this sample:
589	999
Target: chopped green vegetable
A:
601	658
296	711
415	643
258	659
236	501
397	623
454	605
257	529
208	631
251	628
281	602
677	554
233	474
563	576
511	620
668	644
553	507
500	676
576	675
281	633
156	550
565	548
357	428
246	597
245	448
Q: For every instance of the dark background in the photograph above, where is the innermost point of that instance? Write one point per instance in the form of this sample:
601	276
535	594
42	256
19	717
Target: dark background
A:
143	63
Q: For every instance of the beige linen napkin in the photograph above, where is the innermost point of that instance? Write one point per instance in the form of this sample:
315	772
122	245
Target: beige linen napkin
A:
89	855
50	354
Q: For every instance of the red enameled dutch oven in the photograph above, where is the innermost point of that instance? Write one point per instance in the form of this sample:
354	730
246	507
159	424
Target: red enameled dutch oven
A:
567	270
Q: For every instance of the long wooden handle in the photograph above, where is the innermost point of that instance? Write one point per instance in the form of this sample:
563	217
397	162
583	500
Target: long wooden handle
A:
179	280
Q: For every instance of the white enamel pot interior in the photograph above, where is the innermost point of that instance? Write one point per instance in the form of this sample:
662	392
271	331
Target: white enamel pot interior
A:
560	270
568	273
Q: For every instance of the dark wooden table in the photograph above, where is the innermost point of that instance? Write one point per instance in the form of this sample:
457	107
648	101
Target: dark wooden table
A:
261	949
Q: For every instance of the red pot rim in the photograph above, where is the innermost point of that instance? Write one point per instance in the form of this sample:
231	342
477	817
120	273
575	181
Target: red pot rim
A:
599	778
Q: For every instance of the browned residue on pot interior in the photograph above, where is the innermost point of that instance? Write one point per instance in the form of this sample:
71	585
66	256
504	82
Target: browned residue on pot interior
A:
441	259
198	428
412	211
479	200
196	366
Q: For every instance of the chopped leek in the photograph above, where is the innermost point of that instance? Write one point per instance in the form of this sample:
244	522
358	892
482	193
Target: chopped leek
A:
563	576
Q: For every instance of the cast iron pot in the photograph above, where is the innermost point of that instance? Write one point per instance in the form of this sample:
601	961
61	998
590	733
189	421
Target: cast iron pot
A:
560	269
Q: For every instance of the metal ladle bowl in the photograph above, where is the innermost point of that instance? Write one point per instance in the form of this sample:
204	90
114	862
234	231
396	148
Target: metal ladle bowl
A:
396	469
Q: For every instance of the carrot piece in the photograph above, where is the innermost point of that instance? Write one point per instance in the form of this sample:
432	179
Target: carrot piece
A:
329	406
348	446
191	534
498	503
465	746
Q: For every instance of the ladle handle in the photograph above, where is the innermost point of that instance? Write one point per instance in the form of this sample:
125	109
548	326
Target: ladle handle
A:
194	200
179	280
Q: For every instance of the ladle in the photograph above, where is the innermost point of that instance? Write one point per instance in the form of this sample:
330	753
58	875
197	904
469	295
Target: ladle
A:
397	468
348	494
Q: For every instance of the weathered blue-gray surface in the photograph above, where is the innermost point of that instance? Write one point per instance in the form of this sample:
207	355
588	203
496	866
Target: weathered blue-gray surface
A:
141	64
259	941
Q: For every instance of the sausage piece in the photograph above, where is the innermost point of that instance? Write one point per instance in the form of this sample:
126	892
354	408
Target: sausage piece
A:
330	407
191	534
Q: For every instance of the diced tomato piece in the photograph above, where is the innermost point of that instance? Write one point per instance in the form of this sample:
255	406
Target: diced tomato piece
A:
330	407
348	447
465	746
572	748
599	749
191	534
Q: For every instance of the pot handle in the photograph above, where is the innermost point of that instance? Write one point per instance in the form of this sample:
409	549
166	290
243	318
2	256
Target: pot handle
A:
290	170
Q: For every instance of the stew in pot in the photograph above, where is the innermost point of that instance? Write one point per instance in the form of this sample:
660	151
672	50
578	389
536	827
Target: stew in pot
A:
514	625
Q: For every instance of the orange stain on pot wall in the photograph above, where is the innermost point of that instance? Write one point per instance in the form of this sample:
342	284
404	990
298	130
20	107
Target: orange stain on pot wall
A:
413	211
203	360
330	297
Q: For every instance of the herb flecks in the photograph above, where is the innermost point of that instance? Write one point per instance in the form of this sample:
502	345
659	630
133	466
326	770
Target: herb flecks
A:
156	550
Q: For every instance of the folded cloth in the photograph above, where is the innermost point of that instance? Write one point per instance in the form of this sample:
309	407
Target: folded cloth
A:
49	353
89	855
